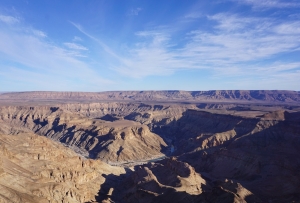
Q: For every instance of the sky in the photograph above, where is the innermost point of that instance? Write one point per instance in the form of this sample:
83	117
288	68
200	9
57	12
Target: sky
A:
104	45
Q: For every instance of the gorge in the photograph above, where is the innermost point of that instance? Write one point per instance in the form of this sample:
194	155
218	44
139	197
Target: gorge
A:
150	146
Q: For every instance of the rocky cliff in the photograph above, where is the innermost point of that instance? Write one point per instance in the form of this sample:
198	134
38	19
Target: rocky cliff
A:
223	158
118	141
34	169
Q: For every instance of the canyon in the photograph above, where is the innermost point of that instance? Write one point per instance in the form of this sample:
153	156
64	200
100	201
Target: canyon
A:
150	146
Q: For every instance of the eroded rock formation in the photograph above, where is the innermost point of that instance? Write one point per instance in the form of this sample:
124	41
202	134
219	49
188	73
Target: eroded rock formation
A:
119	141
172	152
34	169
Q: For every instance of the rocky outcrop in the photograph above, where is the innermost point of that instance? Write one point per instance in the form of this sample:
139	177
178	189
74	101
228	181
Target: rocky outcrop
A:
171	180
119	141
260	153
233	159
36	169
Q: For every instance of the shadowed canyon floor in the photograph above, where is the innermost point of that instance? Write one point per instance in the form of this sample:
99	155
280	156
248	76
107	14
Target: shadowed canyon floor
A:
150	146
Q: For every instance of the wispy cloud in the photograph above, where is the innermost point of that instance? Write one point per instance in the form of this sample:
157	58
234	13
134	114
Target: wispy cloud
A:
77	39
8	19
249	46
270	3
256	38
233	43
38	33
134	11
105	47
234	46
153	56
33	56
75	46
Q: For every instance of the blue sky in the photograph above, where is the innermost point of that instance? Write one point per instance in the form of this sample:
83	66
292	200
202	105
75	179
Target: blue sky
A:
149	45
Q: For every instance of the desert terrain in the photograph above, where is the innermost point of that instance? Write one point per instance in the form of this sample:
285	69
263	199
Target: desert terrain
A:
150	146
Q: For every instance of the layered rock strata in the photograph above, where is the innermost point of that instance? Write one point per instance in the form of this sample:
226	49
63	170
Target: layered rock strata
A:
34	169
119	141
264	96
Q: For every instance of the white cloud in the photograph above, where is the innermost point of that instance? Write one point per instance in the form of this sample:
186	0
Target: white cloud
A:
8	19
233	43
75	46
151	57
289	28
38	33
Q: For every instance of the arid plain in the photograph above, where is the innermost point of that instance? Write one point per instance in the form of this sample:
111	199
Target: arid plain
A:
150	146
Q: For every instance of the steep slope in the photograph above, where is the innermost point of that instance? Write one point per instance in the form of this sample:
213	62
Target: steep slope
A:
230	158
173	181
119	141
262	154
34	169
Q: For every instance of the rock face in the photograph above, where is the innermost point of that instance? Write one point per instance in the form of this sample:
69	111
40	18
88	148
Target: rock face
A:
260	153
173	181
119	141
34	169
213	95
241	159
